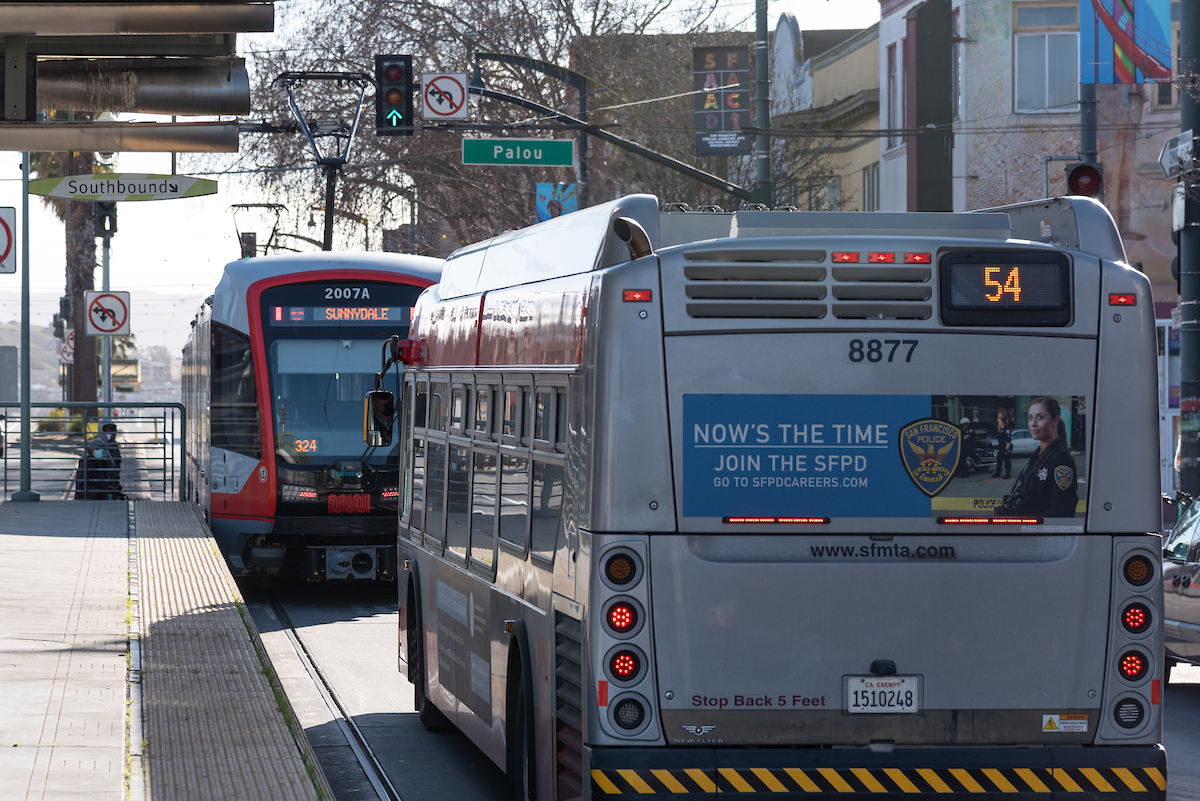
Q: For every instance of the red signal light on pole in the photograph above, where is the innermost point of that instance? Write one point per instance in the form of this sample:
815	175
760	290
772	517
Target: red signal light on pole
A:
1086	180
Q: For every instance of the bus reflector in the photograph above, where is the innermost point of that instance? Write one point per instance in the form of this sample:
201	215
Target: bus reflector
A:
1133	665
774	519
1138	570
1027	521
625	665
602	693
620	568
882	258
846	258
622	617
637	296
1136	618
918	258
1122	300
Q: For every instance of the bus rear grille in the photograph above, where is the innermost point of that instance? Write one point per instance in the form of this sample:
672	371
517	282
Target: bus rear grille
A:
568	692
771	283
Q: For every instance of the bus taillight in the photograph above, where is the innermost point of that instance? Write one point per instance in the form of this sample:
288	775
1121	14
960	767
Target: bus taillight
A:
882	258
625	665
918	258
622	617
1122	299
1133	665
845	258
1136	618
1138	570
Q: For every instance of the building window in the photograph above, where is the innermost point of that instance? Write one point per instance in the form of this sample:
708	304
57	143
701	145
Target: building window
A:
870	187
893	96
956	62
826	194
1046	63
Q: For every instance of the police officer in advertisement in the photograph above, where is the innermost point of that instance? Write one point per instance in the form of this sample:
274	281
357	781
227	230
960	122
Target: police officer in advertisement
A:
1047	486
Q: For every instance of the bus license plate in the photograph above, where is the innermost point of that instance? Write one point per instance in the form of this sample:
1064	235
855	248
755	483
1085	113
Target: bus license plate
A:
883	695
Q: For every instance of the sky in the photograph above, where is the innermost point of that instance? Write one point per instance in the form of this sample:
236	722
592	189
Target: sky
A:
170	254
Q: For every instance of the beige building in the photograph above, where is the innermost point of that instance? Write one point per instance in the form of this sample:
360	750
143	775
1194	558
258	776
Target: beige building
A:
822	82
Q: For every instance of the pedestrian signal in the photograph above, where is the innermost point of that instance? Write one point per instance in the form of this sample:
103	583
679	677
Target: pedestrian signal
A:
393	96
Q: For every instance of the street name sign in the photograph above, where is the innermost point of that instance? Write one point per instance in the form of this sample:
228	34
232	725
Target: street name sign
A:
1176	152
519	152
123	187
8	239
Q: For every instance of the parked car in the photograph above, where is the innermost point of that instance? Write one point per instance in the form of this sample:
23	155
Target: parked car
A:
1181	589
1023	443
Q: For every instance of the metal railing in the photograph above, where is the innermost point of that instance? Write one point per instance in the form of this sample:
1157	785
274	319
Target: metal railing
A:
151	438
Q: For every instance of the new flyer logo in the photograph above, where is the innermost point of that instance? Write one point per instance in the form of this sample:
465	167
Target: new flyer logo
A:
929	450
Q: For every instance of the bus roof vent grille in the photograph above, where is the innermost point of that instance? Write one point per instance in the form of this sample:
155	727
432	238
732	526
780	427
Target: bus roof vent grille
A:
786	283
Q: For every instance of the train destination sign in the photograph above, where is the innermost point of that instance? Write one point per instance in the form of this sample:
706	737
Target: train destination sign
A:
519	152
328	315
123	187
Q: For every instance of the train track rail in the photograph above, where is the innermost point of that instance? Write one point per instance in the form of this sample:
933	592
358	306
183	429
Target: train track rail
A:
357	741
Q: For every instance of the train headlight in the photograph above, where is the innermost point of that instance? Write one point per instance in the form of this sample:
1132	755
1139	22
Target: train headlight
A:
294	494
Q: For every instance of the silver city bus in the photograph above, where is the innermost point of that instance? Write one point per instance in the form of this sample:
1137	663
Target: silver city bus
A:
687	505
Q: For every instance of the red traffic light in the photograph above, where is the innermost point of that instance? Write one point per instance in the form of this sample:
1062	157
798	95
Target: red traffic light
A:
393	72
1085	179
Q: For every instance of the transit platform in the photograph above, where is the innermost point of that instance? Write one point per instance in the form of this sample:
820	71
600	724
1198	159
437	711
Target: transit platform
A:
129	666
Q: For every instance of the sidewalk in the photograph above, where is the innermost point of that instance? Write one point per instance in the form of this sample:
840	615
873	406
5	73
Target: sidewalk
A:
187	708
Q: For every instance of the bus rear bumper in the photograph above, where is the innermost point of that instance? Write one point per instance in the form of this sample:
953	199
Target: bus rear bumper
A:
1079	774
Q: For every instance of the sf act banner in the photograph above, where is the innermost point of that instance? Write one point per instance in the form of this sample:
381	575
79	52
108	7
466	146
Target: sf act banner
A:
721	80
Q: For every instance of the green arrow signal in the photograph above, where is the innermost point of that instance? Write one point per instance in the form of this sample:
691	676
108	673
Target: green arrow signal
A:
394	117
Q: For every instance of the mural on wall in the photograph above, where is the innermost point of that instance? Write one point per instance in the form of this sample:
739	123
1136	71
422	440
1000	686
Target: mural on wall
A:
1125	41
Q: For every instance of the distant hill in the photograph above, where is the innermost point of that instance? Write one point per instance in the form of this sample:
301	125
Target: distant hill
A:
43	345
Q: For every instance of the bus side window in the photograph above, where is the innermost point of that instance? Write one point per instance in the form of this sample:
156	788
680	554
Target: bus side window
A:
439	402
543	422
483	510
514	498
458	500
512	413
458	411
560	426
547	506
435	492
483	407
422	403
418	490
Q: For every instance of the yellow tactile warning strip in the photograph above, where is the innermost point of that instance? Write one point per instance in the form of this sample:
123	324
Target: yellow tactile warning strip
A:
728	781
213	726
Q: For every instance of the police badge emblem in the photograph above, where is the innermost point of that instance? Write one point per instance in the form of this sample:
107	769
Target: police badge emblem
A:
1063	476
929	450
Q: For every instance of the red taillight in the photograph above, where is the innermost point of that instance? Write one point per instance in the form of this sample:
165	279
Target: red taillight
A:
393	72
846	258
1133	665
637	296
1122	300
1136	618
1028	521
622	617
882	258
774	519
918	258
278	314
625	665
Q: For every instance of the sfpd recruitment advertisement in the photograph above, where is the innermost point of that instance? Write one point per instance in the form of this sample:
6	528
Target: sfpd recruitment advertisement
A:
721	80
873	456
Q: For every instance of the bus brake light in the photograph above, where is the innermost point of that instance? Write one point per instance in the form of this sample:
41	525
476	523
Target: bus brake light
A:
1133	665
625	665
1026	521
622	617
774	519
1136	618
882	258
918	258
1122	299
637	296
845	258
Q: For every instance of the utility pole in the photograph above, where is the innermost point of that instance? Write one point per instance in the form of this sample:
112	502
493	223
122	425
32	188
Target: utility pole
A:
762	106
1189	262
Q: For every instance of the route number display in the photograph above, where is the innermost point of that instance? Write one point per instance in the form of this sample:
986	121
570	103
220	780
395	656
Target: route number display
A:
1005	289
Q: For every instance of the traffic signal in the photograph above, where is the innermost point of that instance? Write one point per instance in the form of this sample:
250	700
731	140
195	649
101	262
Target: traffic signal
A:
1086	180
106	218
393	96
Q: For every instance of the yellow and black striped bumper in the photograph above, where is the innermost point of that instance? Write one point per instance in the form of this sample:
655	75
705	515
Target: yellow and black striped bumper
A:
1142	777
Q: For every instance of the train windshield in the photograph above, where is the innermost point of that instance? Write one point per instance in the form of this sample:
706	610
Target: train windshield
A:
317	388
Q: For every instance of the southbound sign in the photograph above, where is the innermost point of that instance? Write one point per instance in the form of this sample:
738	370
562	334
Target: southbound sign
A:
123	187
799	455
